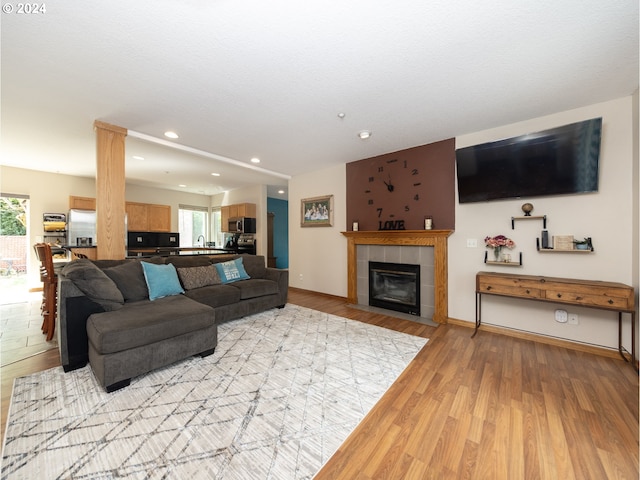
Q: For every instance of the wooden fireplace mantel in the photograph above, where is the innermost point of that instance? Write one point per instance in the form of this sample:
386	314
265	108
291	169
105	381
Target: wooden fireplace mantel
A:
423	238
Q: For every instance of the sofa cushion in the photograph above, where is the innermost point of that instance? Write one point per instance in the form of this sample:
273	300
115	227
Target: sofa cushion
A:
94	283
215	295
256	287
254	265
196	277
129	278
162	280
147	322
231	271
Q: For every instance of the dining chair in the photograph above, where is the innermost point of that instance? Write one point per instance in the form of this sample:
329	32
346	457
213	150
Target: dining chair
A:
49	288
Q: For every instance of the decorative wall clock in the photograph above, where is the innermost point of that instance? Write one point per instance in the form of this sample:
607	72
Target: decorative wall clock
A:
397	191
393	190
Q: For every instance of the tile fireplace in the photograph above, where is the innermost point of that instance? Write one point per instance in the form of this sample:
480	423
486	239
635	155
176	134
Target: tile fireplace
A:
422	238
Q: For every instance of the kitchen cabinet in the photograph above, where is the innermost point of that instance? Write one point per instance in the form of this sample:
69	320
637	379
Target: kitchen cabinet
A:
82	203
247	210
224	217
236	210
159	217
146	217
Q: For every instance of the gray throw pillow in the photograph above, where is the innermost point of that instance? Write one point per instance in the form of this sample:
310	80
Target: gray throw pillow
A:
94	283
129	279
196	277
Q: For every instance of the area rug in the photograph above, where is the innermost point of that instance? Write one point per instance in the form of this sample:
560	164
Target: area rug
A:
282	391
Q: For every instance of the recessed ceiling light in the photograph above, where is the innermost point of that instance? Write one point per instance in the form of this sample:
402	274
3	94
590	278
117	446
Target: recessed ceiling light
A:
280	192
215	174
255	160
364	134
171	134
137	157
182	185
341	115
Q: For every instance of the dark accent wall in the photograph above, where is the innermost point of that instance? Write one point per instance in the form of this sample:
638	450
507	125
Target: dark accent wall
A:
280	230
396	191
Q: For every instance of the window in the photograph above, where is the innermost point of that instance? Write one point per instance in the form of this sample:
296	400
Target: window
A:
216	226
193	225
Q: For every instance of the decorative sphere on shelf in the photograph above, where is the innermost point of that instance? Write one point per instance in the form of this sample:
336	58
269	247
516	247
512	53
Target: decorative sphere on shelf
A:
527	208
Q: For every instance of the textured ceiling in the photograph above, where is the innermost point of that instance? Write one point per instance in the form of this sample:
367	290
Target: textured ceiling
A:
242	79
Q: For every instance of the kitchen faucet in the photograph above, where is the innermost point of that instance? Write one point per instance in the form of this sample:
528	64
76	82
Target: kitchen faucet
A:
198	241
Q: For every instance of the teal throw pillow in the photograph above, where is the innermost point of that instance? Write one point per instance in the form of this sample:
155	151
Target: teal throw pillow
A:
162	280
232	271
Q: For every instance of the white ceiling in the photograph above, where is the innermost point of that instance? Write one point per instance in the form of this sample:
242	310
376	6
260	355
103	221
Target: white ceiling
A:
248	78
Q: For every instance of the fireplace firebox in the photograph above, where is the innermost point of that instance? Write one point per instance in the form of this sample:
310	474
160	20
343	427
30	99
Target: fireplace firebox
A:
395	286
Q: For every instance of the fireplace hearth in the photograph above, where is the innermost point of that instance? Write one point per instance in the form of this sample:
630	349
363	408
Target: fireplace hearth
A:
395	286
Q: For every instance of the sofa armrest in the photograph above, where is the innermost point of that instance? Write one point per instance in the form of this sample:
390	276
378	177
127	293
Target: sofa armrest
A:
74	308
281	277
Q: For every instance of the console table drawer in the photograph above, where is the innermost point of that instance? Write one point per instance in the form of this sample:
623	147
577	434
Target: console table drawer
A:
595	299
509	289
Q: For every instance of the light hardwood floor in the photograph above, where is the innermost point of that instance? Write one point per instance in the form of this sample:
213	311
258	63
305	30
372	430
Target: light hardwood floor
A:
492	407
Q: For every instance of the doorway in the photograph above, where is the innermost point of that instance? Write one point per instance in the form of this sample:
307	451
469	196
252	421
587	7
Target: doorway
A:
14	245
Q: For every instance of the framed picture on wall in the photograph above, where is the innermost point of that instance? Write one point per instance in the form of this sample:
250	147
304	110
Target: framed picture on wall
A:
317	211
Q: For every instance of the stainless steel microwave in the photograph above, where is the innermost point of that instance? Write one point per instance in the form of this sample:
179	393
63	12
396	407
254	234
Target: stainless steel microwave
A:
242	225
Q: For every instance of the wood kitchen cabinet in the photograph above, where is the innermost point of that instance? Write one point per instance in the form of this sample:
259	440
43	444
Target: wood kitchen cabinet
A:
236	210
247	210
146	217
159	217
81	203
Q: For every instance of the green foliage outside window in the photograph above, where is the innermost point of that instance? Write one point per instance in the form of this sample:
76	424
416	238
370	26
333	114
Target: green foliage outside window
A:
13	216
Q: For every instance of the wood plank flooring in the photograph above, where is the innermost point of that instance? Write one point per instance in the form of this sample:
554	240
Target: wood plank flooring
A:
492	407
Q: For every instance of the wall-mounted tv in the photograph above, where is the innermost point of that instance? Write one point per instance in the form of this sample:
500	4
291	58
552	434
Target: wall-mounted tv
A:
558	161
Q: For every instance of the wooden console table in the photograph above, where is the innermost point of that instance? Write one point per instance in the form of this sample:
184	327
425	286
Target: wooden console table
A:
617	297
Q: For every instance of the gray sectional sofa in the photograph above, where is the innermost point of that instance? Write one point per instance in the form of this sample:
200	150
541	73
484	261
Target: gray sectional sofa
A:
128	317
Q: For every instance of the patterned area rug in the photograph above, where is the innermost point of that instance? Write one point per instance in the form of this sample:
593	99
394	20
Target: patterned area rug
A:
283	390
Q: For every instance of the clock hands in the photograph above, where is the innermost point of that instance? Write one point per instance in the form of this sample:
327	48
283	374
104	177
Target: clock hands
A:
389	185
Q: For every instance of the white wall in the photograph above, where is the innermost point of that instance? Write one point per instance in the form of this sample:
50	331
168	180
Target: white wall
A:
318	255
606	216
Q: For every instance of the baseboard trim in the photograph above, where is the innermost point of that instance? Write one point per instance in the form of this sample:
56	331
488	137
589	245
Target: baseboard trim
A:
536	337
328	295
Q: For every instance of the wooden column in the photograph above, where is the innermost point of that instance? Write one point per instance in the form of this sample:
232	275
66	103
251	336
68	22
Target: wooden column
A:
429	238
110	185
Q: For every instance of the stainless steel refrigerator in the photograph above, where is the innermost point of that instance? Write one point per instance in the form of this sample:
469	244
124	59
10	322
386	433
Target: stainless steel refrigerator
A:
81	228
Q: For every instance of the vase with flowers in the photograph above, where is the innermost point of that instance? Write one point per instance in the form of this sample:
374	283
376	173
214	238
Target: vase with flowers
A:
497	243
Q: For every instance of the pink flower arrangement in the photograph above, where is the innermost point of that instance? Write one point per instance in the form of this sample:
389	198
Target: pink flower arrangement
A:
499	241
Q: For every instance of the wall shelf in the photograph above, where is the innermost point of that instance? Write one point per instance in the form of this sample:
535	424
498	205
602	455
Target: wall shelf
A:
503	264
555	250
529	217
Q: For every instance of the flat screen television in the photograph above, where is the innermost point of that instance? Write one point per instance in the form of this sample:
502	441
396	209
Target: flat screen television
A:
558	161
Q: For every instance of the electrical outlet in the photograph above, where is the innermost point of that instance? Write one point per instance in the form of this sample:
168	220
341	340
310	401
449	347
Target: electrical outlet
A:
472	243
561	316
300	277
573	319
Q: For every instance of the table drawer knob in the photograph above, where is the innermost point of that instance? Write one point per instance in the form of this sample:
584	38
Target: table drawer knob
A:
527	291
610	302
489	287
559	295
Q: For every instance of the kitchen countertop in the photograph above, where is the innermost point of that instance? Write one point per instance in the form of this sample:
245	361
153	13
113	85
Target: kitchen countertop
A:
169	251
